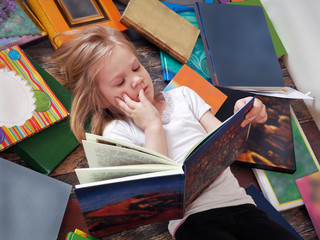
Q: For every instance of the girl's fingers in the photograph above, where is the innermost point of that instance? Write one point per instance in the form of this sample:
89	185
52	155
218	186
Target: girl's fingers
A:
123	106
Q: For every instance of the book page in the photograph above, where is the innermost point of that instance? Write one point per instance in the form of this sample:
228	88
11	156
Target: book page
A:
177	171
100	139
103	155
87	175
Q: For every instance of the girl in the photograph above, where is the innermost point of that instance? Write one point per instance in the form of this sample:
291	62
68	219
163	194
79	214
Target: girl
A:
109	84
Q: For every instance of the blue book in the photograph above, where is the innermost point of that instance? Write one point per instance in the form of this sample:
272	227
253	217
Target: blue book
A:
238	47
264	205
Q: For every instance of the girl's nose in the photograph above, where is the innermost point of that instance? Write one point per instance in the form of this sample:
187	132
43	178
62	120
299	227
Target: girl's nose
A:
136	80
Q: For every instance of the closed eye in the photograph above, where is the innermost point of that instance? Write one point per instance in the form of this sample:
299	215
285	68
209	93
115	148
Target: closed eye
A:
120	83
136	69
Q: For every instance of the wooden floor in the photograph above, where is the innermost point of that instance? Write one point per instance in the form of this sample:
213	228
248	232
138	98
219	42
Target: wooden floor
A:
149	56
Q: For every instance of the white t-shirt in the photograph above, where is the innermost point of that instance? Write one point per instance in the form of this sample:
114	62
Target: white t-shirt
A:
182	128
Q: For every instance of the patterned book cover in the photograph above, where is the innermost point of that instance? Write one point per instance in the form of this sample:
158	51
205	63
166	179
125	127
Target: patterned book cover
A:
27	103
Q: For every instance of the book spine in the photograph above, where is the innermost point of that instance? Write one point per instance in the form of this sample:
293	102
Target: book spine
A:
43	18
158	42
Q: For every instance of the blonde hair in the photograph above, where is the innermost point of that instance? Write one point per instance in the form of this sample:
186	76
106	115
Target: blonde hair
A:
78	59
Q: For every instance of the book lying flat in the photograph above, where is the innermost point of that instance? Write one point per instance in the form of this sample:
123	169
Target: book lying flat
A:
28	105
278	46
32	205
126	185
45	150
61	16
280	188
197	60
238	46
186	76
161	26
309	187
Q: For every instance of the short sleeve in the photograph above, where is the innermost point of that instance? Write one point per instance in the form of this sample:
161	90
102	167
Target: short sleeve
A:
123	131
196	104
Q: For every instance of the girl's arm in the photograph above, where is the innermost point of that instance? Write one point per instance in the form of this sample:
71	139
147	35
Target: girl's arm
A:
147	118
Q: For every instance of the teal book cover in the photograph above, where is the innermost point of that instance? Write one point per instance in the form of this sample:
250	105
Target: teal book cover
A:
197	60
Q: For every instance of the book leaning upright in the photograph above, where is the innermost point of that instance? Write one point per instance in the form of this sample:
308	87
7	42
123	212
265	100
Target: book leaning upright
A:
126	185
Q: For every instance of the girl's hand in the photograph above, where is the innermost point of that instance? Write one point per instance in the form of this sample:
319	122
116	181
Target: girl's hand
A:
257	114
143	113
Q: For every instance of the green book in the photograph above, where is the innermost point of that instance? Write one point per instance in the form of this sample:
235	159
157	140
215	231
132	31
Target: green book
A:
45	150
278	46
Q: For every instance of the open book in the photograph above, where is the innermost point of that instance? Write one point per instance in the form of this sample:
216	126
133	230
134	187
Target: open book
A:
126	185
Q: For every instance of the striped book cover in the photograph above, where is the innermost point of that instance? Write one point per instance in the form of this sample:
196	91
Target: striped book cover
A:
47	107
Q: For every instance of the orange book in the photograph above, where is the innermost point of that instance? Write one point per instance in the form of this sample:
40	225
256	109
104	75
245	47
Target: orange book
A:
58	16
209	93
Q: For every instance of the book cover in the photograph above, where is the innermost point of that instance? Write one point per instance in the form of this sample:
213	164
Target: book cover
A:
186	76
281	189
79	235
28	105
238	47
264	205
19	27
59	16
278	46
32	205
134	195
270	145
197	61
309	189
45	150
161	26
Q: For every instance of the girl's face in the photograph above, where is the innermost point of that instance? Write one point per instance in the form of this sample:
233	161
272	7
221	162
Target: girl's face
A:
123	74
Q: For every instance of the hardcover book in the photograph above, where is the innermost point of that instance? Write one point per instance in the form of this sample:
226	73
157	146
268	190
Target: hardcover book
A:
189	78
278	46
45	150
238	46
161	26
197	60
309	189
270	145
19	26
32	205
28	105
58	16
126	185
281	189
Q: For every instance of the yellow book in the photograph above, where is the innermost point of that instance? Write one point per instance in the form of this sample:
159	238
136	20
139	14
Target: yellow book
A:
161	26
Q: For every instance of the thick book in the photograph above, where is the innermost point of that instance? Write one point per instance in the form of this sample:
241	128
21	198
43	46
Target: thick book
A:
28	105
186	76
270	145
238	47
197	60
32	205
161	26
280	188
45	150
277	43
126	185
60	16
309	187
264	205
